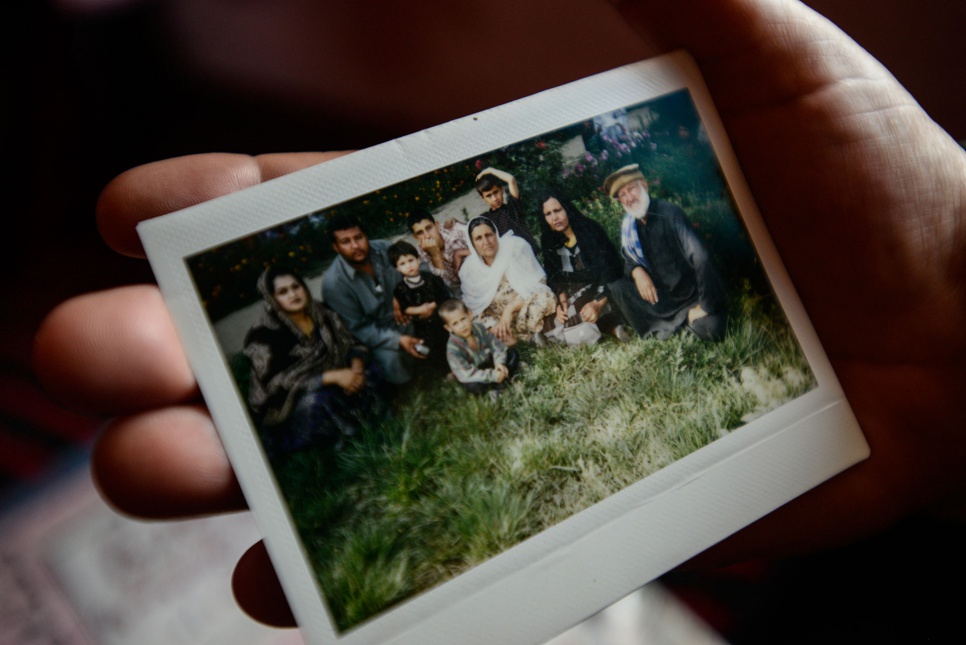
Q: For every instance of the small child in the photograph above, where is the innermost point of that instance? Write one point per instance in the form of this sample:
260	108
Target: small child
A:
418	295
479	360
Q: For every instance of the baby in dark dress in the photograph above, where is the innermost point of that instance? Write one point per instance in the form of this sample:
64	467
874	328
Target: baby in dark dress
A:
418	296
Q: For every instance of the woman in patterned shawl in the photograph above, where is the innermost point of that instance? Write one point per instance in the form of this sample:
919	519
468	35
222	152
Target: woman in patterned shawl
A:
309	380
504	285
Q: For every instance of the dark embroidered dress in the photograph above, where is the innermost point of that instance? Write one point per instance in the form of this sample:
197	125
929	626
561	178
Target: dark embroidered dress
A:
430	288
585	271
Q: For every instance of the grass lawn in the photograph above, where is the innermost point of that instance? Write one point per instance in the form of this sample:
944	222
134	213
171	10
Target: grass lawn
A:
452	479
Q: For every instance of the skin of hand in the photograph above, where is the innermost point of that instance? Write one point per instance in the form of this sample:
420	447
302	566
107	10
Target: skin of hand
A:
499	376
397	313
844	166
504	328
348	379
645	286
458	259
485	171
562	306
426	310
591	311
408	344
503	370
429	245
696	313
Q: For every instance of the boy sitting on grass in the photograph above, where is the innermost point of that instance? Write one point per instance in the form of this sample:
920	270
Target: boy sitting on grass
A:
417	296
479	360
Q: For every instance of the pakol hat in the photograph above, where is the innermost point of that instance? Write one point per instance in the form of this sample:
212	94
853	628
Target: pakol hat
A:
621	177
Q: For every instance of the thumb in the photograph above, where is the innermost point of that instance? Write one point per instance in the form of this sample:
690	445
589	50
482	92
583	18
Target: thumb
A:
754	52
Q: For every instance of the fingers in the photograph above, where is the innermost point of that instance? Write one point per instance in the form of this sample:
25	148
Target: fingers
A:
408	343
397	312
165	463
166	186
113	351
647	292
258	590
356	383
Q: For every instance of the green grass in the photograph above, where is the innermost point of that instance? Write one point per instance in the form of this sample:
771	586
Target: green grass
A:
453	479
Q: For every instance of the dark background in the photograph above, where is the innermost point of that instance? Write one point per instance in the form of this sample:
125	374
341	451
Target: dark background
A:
88	94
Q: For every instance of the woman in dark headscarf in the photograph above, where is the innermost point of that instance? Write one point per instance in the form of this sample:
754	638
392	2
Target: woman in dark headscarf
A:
309	379
580	261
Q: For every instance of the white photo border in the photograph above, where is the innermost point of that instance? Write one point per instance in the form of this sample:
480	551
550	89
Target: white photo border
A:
550	581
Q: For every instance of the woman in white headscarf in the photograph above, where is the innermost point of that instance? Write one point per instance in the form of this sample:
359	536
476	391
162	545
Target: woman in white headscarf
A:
504	285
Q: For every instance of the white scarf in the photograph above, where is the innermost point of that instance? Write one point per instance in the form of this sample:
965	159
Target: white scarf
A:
515	259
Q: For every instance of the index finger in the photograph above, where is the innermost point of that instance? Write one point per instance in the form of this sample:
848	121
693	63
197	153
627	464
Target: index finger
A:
165	186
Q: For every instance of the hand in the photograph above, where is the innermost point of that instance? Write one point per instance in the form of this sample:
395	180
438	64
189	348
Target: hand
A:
397	313
645	286
429	245
458	259
563	308
348	379
696	313
408	345
499	375
426	310
504	328
591	311
450	223
485	171
116	352
503	371
835	146
562	314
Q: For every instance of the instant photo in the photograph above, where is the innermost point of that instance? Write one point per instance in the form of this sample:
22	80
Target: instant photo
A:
481	381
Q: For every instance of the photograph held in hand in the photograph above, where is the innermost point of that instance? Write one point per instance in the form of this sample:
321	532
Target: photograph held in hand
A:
609	372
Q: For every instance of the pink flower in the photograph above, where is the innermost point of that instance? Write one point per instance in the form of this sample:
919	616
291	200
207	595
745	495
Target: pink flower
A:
479	164
579	168
588	156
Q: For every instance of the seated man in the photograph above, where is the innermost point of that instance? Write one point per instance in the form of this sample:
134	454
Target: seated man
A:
441	249
358	286
505	208
673	283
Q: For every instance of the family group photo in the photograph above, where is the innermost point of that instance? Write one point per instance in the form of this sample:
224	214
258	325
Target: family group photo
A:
440	369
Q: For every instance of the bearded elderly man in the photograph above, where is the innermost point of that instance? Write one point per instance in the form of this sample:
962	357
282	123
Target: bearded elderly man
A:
672	283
